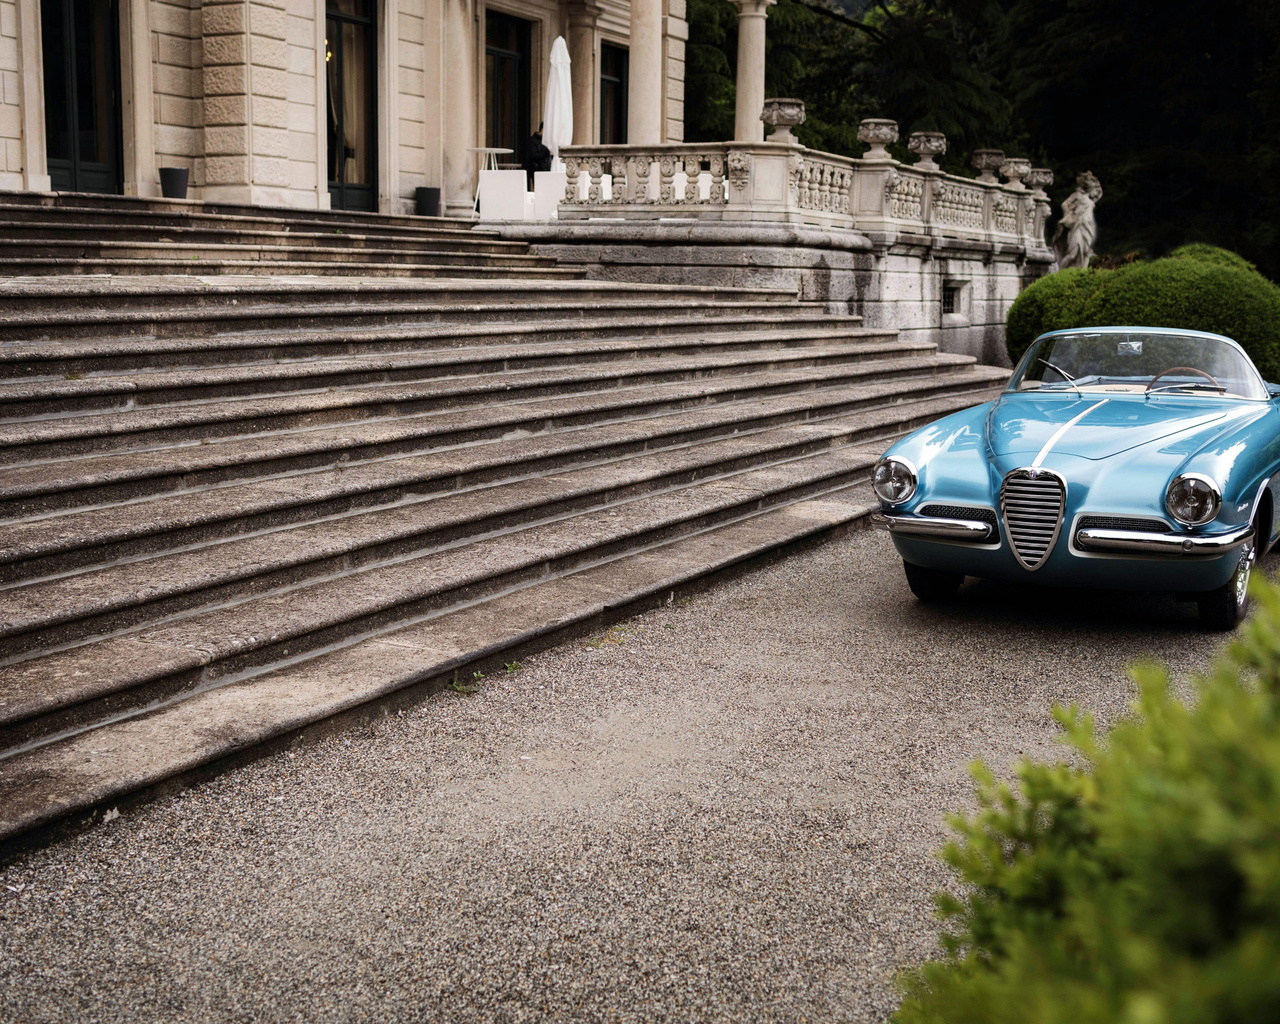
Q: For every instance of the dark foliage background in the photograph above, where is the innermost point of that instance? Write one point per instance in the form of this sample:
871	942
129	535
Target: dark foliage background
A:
1174	104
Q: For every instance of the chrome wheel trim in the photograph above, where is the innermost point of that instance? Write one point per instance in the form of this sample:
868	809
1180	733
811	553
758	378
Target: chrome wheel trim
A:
1247	556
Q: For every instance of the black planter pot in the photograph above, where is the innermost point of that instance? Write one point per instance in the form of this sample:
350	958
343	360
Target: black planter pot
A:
173	182
426	202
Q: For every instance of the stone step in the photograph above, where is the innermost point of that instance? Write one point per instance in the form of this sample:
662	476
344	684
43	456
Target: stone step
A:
162	648
137	208
24	225
170	579
289	263
47	545
111	475
33	308
78	407
525	344
103	765
278	253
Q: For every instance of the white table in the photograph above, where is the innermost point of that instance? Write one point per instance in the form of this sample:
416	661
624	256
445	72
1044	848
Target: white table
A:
489	162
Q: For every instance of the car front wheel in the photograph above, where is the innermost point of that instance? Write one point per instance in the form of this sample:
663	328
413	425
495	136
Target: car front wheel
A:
932	585
1226	607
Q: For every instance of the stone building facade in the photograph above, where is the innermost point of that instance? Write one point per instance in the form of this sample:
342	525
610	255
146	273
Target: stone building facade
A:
318	103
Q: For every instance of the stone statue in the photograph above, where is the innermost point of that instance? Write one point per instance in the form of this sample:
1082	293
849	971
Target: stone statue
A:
1073	240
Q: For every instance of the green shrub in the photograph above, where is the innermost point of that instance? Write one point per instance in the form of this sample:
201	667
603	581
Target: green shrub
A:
1052	303
1141	886
1202	253
1199	287
1241	304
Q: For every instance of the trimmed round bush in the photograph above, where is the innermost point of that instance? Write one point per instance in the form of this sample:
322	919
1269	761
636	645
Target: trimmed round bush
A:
1052	303
1138	884
1241	304
1202	253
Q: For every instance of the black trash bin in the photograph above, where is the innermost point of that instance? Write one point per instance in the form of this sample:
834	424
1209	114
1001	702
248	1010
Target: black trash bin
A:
427	202
173	182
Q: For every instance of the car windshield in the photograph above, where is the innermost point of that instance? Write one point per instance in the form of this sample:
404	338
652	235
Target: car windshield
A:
1140	363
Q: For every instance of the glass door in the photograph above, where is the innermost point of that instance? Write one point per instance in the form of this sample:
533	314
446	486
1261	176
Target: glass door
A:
81	40
352	136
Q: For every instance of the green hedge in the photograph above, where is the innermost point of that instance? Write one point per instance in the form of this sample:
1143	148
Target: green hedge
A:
1139	886
1198	287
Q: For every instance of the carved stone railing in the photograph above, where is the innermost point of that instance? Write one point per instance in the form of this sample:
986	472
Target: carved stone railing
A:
785	182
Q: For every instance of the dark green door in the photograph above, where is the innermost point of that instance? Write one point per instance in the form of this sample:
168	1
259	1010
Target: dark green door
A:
81	41
353	136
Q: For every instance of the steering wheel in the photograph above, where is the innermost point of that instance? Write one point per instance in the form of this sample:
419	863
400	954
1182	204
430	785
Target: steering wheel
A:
1184	369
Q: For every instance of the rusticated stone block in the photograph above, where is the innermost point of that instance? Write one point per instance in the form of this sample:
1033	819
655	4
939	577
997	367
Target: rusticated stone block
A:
226	170
226	141
269	21
225	110
223	50
226	81
270	82
223	19
271	171
270	113
270	142
269	53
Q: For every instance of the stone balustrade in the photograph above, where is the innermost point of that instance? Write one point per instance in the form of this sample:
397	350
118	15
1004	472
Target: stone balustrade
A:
783	182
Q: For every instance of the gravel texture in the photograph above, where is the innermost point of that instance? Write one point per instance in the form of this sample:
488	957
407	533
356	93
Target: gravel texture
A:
722	810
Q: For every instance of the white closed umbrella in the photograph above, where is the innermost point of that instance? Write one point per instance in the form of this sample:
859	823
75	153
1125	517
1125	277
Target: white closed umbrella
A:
557	118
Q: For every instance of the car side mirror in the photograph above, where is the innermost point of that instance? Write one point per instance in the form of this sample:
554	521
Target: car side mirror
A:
1273	391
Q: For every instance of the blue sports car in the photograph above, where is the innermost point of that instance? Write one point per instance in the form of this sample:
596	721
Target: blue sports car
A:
1117	457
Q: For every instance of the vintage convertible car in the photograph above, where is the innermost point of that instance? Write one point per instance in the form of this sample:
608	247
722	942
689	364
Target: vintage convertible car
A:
1117	457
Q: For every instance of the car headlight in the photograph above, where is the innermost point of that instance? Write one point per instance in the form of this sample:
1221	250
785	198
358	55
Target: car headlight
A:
1193	499
894	480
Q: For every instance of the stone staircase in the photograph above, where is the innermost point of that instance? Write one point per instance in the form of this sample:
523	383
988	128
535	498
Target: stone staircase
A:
80	233
231	508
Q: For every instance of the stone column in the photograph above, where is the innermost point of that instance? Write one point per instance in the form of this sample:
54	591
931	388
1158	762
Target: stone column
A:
646	73
460	99
747	126
584	70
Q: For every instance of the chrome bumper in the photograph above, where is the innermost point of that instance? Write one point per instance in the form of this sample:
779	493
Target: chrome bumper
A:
1136	542
933	526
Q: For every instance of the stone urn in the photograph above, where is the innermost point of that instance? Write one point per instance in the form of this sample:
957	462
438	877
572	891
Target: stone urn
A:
988	161
1040	178
927	145
782	114
877	132
1015	169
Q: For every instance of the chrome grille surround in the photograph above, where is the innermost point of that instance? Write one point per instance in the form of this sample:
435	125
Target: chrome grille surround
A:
1032	502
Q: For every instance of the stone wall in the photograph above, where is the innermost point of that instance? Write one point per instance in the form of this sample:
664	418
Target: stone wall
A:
177	58
10	98
895	284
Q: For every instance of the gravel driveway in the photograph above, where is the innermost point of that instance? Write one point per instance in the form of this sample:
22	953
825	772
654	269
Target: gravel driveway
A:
723	810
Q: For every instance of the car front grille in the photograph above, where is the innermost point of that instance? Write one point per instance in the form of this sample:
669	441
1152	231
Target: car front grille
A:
1031	504
1122	523
981	515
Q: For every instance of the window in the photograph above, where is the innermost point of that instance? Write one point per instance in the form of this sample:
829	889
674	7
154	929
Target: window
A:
613	94
951	298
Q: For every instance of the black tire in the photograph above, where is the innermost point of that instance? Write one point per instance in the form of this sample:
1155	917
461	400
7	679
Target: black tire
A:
932	585
1225	608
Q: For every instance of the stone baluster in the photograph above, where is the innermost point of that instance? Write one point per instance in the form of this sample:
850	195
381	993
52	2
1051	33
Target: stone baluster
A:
1039	178
571	169
642	164
666	184
692	168
618	170
717	179
595	171
824	188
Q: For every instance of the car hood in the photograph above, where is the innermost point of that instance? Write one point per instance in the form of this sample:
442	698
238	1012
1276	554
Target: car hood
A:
1099	426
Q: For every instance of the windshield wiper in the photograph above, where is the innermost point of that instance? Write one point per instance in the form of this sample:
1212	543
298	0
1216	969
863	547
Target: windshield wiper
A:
1196	386
1065	376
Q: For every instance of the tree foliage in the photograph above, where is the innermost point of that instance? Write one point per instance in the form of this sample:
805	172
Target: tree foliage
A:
1140	885
1174	104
